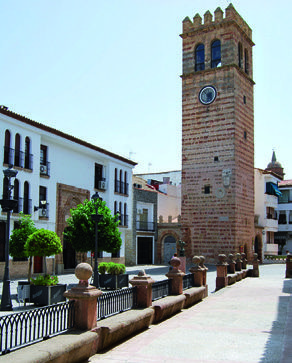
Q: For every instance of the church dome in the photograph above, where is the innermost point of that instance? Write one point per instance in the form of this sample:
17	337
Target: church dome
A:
274	163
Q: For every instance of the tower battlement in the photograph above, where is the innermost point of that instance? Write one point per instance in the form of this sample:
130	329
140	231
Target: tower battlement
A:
231	15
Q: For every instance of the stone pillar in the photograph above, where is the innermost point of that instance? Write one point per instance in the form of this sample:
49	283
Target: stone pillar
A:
176	277
238	264
144	289
204	268
255	266
197	271
244	261
221	279
85	297
289	266
231	264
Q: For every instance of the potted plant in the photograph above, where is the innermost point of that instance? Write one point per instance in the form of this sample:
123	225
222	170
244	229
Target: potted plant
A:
115	277
45	290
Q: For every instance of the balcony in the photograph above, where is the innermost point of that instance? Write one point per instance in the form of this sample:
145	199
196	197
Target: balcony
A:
121	187
271	223
123	220
271	249
17	158
145	226
24	205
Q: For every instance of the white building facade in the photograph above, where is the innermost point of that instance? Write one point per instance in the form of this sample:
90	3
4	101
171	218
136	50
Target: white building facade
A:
284	212
266	204
56	172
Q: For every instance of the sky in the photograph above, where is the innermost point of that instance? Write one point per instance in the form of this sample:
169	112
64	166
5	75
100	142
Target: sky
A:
108	72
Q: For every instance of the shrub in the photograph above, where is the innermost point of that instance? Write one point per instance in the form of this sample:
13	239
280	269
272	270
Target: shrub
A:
102	268
46	280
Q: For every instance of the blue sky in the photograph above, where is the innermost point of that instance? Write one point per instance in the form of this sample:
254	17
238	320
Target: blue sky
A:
108	72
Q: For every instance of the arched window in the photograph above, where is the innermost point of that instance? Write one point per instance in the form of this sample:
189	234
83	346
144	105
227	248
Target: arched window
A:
125	215
116	181
121	214
5	188
216	54
200	58
27	154
126	182
7	149
121	182
26	204
16	195
246	62
239	55
17	150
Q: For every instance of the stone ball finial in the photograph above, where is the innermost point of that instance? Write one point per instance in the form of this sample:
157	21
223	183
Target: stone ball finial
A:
83	271
222	259
196	260
175	262
142	273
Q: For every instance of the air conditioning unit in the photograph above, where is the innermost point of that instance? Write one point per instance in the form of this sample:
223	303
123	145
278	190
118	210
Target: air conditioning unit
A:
102	184
43	212
43	169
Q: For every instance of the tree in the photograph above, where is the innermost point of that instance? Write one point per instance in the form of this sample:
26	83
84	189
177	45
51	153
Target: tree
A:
43	243
81	228
18	239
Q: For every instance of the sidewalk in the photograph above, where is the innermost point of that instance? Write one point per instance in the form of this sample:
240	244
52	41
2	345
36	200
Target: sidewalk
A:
250	321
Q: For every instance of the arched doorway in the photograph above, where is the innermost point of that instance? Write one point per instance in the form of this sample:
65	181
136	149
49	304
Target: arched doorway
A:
169	248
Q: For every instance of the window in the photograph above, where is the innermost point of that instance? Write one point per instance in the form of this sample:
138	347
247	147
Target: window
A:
125	215
98	177
216	54
116	254
246	62
44	151
207	189
16	195
43	195
216	158
239	55
17	153
27	156
282	218
245	135
5	188
26	200
200	58
244	100
284	198
7	150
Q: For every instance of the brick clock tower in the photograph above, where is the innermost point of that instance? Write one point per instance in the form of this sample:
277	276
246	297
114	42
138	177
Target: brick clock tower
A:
217	135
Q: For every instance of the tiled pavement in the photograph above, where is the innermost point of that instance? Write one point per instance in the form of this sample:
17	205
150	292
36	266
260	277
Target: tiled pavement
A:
250	321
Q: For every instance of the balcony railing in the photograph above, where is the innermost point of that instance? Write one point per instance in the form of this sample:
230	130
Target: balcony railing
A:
123	220
18	158
145	226
24	205
121	187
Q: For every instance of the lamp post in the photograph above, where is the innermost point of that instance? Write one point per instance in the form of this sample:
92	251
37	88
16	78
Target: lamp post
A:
96	218
7	204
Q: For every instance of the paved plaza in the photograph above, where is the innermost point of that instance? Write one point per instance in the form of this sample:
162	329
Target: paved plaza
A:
250	321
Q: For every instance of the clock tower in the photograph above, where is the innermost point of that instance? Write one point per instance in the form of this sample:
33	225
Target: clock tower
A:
217	135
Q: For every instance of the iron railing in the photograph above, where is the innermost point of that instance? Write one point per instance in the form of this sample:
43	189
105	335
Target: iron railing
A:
145	226
18	330
161	289
188	281
115	302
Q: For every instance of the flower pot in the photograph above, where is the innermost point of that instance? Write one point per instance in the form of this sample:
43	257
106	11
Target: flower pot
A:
23	291
113	282
47	295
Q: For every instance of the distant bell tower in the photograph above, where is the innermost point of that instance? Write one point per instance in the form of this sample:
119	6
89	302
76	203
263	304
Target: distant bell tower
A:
217	135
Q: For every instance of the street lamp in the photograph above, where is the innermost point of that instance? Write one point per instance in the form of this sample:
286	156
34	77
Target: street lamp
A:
7	204
96	218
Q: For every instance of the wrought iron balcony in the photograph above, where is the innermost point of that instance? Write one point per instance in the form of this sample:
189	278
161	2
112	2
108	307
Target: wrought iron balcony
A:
17	158
121	187
145	226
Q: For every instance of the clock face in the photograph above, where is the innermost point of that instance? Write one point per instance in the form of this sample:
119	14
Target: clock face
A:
207	95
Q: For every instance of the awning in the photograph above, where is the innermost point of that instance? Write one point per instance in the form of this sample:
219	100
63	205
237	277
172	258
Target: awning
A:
276	189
